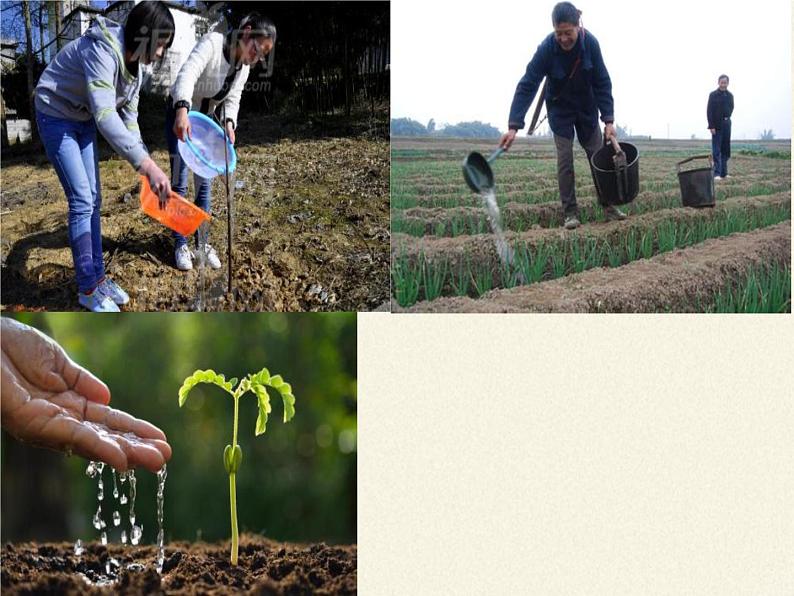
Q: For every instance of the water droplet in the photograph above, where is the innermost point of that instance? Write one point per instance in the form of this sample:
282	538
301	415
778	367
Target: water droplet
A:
78	548
124	536
100	465
133	490
103	538
123	477
101	494
97	521
90	471
161	476
123	499
116	518
115	486
137	532
107	567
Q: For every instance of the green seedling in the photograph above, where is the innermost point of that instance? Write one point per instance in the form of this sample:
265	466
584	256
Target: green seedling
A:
433	277
614	255
460	279
233	455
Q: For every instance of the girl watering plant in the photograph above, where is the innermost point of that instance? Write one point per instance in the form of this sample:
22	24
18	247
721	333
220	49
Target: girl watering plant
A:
212	77
93	83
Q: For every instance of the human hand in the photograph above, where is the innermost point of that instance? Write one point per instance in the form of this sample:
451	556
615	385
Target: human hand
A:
230	132
50	401
158	181
507	139
609	130
182	124
713	131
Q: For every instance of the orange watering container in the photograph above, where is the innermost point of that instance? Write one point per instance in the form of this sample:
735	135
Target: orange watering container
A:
180	215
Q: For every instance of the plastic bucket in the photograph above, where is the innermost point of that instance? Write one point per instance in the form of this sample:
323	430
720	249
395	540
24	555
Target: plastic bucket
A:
179	214
616	186
697	184
203	151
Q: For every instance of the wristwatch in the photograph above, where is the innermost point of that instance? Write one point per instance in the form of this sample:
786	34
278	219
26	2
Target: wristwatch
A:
182	104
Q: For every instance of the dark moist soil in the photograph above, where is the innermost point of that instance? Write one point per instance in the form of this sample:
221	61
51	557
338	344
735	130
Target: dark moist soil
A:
311	232
265	567
672	281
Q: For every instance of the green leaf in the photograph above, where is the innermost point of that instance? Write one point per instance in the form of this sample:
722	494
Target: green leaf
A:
203	376
285	388
289	406
262	377
263	400
276	381
233	381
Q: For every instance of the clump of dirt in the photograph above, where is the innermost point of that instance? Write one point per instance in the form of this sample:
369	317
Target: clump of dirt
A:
311	232
265	567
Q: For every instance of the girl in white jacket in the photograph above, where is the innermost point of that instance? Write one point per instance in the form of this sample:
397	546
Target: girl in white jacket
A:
213	76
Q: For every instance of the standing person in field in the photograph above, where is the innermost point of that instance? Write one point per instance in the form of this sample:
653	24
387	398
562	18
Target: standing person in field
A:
578	87
718	113
93	83
212	77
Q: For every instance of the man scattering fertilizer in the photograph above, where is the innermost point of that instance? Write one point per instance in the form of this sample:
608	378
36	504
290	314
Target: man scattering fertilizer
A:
578	87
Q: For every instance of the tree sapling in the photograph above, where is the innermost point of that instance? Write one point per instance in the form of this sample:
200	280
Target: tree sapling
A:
257	383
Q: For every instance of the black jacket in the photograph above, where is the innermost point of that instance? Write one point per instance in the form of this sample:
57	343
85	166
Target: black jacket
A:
720	106
567	102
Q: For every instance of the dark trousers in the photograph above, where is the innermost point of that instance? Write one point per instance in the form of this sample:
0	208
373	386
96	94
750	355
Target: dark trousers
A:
721	149
565	173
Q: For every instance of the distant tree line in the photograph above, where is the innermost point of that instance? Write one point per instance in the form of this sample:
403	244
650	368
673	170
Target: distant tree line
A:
406	127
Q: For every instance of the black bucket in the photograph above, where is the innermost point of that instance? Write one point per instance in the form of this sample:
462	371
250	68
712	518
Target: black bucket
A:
697	184
616	186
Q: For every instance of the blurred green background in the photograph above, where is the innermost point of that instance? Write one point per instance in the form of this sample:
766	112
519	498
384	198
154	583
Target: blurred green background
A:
297	482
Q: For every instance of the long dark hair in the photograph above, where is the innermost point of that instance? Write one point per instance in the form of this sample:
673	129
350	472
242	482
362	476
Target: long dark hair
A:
146	24
260	26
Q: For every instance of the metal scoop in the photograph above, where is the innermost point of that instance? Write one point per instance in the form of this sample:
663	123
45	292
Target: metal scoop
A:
477	171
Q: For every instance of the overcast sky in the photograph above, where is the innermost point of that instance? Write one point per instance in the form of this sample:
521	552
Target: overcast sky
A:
461	61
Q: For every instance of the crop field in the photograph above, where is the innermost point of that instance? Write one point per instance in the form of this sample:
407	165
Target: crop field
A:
734	257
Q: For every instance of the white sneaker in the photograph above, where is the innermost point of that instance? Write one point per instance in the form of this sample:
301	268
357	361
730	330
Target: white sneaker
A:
113	291
96	301
184	260
212	256
717	178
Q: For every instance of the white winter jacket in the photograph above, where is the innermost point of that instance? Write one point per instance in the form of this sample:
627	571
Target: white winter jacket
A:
207	79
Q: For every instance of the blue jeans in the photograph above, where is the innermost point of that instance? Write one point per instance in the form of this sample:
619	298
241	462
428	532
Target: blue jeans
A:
179	172
721	149
71	147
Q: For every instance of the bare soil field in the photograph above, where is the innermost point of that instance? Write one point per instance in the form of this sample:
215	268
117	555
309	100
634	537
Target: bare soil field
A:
311	229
